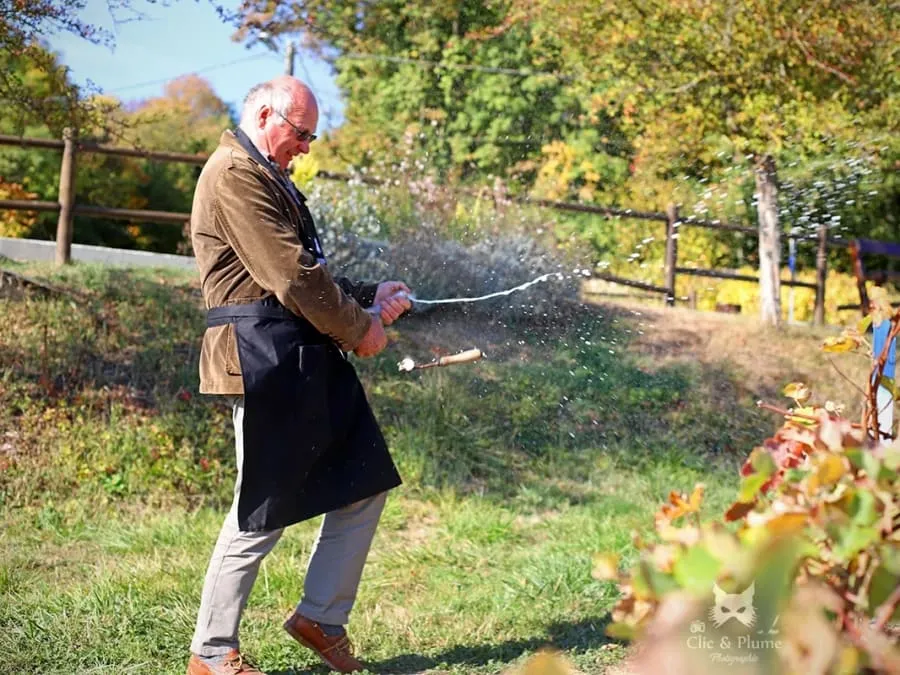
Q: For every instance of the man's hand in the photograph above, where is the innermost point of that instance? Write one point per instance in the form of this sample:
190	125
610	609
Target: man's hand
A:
391	301
373	341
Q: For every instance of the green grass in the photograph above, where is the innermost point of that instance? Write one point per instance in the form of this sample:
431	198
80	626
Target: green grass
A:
454	584
114	474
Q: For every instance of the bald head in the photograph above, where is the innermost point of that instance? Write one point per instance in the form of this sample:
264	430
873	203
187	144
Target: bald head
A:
283	94
280	117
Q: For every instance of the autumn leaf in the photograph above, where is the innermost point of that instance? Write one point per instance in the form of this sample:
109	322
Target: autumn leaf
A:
738	510
840	344
547	663
679	505
782	524
828	470
797	391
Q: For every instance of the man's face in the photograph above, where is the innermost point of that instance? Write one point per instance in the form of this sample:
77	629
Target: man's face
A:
284	140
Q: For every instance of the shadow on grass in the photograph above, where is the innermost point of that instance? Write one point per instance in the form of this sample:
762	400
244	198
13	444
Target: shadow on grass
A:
566	636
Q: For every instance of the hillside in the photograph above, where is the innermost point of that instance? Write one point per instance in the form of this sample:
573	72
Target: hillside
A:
114	473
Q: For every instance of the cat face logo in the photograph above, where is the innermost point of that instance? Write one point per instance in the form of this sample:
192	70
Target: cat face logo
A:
733	606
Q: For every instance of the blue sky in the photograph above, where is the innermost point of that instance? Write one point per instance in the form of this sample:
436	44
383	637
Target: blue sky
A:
185	37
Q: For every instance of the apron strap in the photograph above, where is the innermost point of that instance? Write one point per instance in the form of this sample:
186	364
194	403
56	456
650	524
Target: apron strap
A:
219	316
267	308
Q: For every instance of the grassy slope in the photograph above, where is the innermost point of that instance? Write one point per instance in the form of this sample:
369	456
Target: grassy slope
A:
113	474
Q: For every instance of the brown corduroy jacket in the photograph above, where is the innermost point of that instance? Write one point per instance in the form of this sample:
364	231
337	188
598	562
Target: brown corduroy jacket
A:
244	227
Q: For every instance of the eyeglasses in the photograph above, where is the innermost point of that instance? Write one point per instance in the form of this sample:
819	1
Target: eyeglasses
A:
302	136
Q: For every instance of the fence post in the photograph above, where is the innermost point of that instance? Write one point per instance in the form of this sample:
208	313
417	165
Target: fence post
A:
856	258
671	252
66	199
821	274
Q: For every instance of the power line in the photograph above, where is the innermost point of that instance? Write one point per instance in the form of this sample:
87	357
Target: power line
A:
459	66
207	69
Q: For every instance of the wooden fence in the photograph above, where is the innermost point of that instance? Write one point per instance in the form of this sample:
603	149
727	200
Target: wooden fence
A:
68	209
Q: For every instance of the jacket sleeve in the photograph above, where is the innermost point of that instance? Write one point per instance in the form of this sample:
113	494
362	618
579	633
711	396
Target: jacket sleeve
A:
361	291
248	219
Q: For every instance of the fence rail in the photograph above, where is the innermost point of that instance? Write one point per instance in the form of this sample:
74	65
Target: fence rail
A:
725	274
67	209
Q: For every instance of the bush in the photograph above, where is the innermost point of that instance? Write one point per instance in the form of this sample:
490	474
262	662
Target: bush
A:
806	561
840	288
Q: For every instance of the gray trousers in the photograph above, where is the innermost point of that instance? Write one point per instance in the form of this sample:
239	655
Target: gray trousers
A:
332	575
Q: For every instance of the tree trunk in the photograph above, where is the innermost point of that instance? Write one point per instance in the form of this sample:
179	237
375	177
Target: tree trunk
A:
769	241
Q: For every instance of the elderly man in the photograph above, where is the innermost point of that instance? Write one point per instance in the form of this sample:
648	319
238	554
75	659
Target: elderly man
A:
279	327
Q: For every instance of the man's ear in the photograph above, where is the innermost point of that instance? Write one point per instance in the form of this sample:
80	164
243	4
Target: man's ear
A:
262	116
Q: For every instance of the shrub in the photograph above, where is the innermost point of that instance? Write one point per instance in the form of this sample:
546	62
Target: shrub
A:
15	223
806	561
840	288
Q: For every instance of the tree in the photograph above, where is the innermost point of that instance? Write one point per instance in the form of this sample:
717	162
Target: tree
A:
189	118
24	27
710	105
700	86
475	97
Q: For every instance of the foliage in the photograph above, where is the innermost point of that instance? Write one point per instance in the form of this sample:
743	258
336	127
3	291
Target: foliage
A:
639	104
480	99
189	118
840	289
58	103
15	223
817	544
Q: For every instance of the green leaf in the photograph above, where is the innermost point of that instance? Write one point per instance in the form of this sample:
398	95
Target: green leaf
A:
882	585
697	569
750	486
863	325
854	540
871	464
855	455
864	508
890	558
795	475
658	582
763	462
621	631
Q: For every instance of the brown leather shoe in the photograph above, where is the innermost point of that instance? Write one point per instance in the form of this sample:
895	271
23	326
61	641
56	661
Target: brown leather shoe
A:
233	664
334	650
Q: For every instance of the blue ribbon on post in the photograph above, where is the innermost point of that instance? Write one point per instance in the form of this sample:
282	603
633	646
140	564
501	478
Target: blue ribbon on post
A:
884	397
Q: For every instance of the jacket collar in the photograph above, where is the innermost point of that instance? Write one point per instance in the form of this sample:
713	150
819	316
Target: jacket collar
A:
238	139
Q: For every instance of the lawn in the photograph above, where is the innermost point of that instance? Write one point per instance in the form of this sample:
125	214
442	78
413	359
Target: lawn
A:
114	475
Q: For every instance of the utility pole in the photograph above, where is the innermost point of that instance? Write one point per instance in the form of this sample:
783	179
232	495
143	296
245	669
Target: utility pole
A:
289	58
